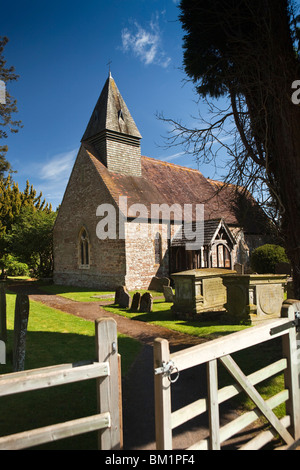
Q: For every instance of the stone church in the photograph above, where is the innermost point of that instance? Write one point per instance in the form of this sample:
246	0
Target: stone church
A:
109	170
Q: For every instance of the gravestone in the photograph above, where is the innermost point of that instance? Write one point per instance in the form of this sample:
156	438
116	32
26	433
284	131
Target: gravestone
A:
136	301
158	283
117	294
20	331
146	302
168	293
239	268
124	298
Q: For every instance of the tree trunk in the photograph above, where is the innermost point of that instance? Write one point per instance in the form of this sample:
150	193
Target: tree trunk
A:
288	177
275	120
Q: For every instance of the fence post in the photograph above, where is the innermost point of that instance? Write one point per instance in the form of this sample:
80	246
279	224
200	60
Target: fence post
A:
213	405
3	327
20	331
162	389
292	373
108	388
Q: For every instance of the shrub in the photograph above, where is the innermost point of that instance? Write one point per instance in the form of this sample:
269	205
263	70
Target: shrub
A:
13	267
265	258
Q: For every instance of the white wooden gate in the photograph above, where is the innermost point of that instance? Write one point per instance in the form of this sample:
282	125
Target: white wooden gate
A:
106	370
166	365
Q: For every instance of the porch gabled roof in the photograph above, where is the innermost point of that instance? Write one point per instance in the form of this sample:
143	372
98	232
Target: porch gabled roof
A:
211	230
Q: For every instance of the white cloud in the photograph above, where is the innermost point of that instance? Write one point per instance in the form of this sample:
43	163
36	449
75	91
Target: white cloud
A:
53	176
173	157
146	43
59	167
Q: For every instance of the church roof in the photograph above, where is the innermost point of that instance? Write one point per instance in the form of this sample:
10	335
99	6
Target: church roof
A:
111	113
211	229
167	183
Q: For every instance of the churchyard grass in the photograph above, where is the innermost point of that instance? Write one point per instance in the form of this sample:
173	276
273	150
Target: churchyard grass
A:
79	294
163	316
54	337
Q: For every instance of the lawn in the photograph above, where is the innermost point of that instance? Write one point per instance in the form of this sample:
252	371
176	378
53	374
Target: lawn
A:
163	316
53	338
79	294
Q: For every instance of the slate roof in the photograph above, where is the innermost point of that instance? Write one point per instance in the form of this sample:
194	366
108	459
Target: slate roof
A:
111	114
211	229
167	183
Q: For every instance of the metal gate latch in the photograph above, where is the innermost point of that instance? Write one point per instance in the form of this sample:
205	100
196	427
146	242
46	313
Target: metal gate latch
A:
297	320
167	370
292	324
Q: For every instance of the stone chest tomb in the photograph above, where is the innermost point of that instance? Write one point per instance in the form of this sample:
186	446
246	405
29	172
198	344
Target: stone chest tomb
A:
200	291
255	296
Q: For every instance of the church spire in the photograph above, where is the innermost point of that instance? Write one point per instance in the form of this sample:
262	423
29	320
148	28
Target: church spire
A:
113	132
108	112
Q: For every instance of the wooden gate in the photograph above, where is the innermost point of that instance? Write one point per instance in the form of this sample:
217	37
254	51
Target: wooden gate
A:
167	365
106	371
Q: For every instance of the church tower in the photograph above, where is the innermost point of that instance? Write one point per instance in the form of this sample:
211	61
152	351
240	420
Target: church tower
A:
113	133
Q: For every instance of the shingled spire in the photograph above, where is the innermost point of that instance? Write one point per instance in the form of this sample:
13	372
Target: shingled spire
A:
113	132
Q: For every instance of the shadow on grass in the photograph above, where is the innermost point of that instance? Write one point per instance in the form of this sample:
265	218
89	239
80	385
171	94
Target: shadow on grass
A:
49	348
162	315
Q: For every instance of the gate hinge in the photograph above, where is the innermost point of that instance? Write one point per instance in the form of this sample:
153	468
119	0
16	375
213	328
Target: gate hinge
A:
292	324
167	369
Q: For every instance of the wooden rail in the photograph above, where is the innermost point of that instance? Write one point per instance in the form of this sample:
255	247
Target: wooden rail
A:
221	350
106	371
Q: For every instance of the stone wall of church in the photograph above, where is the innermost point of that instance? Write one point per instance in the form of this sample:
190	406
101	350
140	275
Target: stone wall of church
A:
141	265
107	266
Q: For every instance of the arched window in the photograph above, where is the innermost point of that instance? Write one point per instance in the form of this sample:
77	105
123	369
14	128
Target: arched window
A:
84	248
158	248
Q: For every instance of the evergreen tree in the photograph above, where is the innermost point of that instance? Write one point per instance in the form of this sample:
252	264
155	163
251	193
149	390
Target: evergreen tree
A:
13	203
7	109
12	200
30	239
247	51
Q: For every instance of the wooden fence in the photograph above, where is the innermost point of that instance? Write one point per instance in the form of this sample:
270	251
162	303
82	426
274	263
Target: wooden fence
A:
107	372
166	365
20	329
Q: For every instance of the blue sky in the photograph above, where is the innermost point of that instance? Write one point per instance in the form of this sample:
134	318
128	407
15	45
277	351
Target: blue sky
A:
61	49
